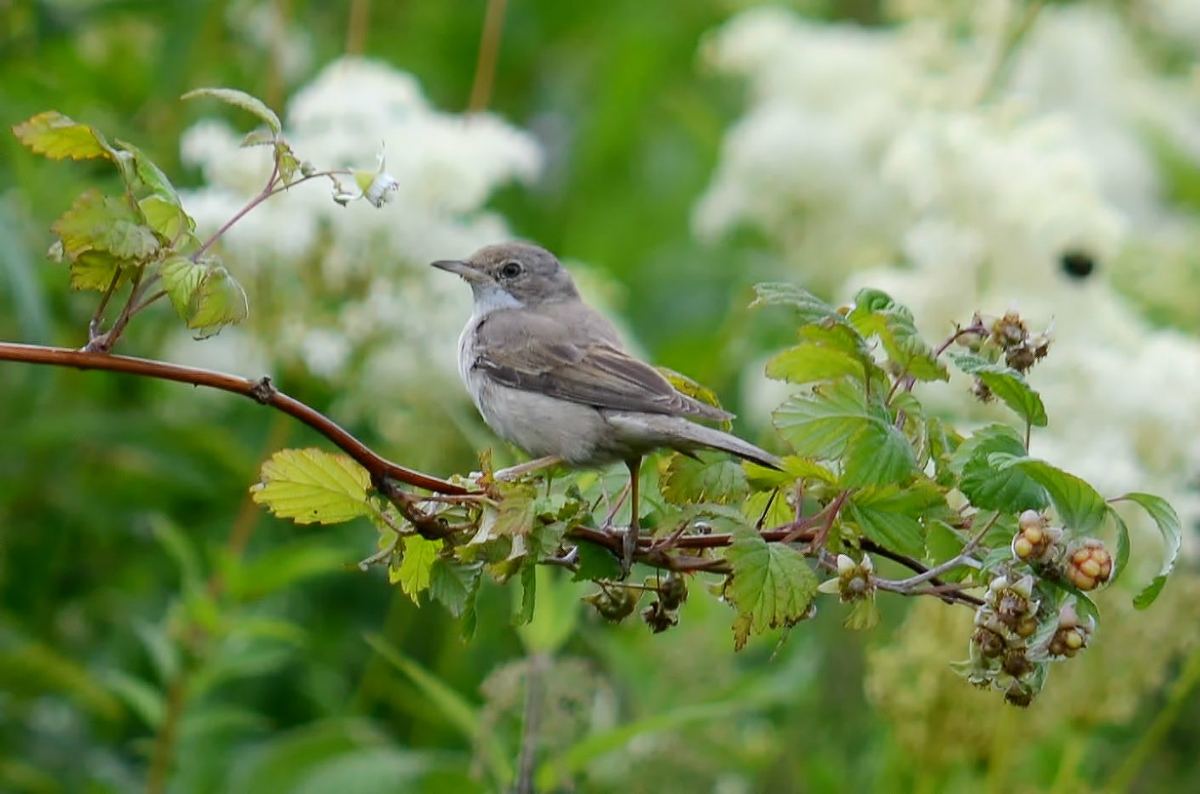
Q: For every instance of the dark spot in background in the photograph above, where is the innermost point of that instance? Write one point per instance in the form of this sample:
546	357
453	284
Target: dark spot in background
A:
1077	264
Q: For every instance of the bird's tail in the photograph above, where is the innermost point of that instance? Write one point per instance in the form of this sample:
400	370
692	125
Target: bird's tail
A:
686	436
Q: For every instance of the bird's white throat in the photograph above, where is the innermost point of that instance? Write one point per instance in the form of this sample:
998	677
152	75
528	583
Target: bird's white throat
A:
494	299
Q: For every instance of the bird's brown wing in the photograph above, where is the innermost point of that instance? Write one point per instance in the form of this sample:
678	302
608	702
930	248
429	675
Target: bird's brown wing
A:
573	361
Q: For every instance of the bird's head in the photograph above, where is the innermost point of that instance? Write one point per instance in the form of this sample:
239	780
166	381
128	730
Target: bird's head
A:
508	275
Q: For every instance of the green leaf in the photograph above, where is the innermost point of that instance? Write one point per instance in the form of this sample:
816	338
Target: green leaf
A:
513	516
150	174
1168	524
166	217
595	562
1007	384
770	584
310	485
892	516
95	270
710	478
1122	557
453	584
943	544
258	137
217	302
528	594
415	572
876	314
879	455
767	508
989	486
794	468
864	616
181	278
240	99
822	425
99	223
813	363
809	308
58	137
1081	509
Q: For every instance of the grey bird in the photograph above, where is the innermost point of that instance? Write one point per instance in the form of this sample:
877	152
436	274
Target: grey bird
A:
549	374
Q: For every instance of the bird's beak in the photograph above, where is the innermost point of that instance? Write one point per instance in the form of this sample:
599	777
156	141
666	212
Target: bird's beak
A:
468	271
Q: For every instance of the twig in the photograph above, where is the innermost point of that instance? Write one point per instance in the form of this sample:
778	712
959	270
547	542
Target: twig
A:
261	390
956	561
98	317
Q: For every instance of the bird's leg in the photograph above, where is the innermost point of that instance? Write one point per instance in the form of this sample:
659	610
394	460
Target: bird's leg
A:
528	467
629	544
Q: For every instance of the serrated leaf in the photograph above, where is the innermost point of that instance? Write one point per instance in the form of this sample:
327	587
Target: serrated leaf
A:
513	516
809	308
452	584
313	486
95	270
288	163
1007	384
240	99
58	137
770	584
217	302
794	468
415	570
987	485
878	455
710	478
595	562
1167	521
943	544
876	314
822	424
104	223
813	363
767	509
892	516
1077	503
166	217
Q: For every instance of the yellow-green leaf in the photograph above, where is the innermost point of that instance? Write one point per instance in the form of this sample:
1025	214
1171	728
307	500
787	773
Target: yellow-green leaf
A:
416	564
58	137
313	486
710	478
219	301
181	278
166	217
95	270
770	584
104	223
240	99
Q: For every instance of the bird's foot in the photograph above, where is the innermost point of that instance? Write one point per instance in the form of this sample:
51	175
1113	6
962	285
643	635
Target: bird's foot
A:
629	542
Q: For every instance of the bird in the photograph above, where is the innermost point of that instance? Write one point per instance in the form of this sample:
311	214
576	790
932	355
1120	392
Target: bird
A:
549	374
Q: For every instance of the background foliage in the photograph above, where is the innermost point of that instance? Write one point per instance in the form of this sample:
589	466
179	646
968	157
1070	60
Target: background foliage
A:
136	573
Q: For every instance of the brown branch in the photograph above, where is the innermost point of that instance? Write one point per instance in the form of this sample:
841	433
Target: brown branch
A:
261	390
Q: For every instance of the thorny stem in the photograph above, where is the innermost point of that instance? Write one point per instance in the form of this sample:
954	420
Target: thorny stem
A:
386	475
964	557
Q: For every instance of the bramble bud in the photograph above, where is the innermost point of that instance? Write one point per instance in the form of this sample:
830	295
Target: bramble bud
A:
853	581
614	604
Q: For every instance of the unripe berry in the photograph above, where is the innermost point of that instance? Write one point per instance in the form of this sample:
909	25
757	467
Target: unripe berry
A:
1088	565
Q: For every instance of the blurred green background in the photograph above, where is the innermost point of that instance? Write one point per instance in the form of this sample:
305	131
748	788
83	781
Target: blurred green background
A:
155	625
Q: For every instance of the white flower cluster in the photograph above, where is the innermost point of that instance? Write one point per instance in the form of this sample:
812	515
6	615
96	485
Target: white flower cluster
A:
920	160
347	292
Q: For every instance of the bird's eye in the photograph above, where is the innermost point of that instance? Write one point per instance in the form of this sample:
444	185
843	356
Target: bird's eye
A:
510	270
